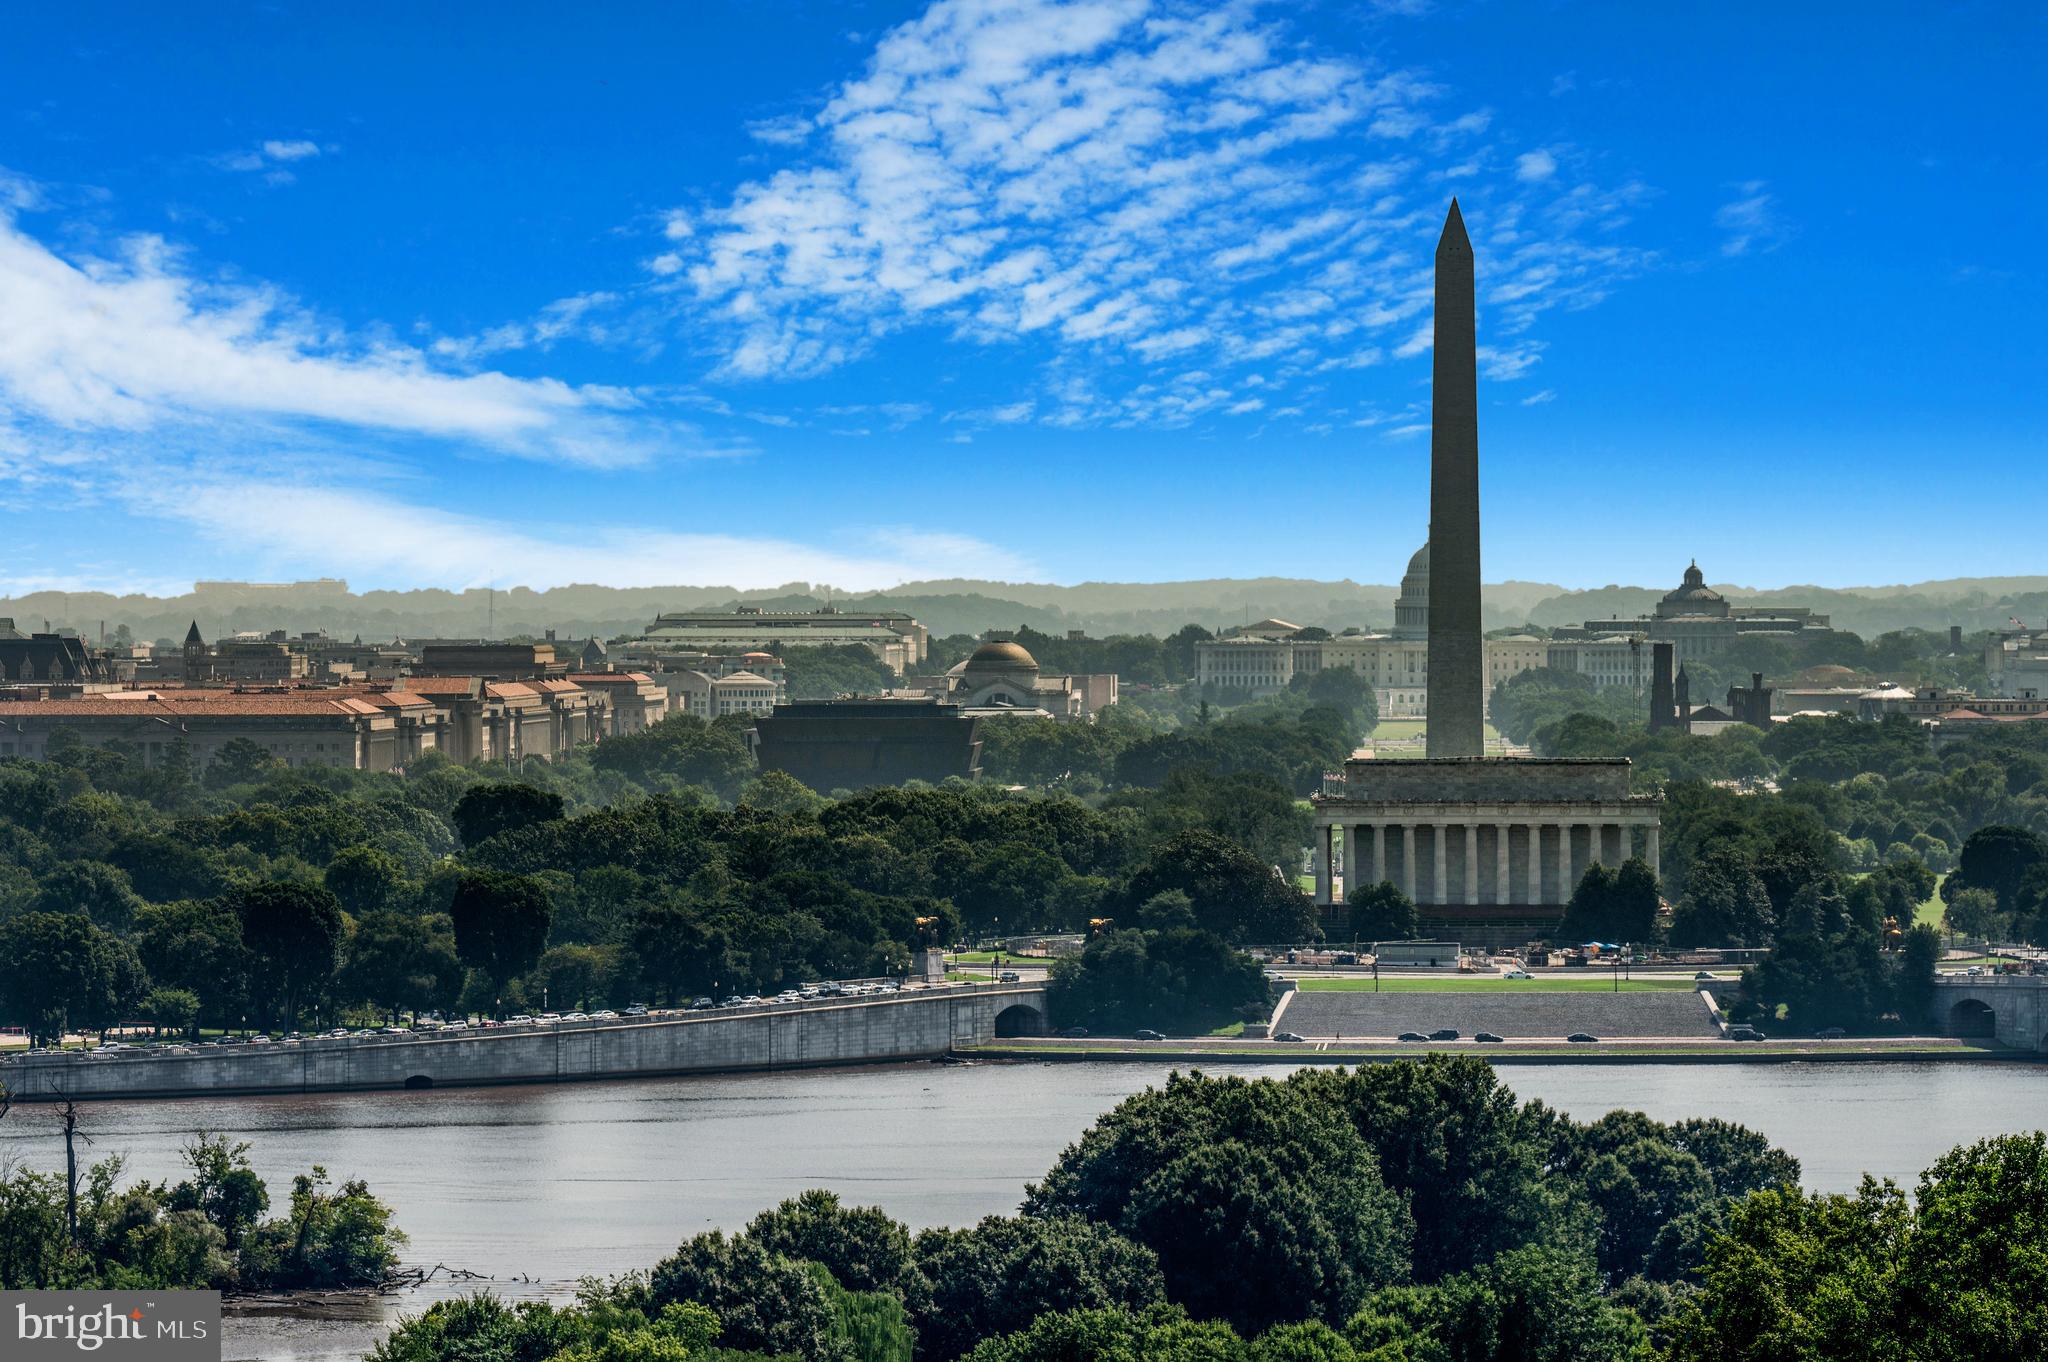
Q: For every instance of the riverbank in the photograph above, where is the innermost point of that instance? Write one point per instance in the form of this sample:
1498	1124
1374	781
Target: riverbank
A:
1649	1050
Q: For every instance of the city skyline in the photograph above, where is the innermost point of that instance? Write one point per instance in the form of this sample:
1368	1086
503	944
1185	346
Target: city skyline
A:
1010	291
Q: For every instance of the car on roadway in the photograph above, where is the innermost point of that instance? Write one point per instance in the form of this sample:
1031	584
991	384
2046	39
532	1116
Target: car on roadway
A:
1289	1037
702	1004
520	1019
605	1015
1074	1032
1702	977
1830	1033
1009	976
1444	1033
636	1010
1741	1031
1488	1038
1582	1038
1411	1036
1515	974
1146	1035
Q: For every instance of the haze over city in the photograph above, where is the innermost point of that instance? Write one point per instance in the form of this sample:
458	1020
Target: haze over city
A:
746	294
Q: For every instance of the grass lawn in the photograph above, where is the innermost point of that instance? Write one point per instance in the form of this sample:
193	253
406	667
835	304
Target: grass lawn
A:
1234	1029
1387	730
1470	984
1929	914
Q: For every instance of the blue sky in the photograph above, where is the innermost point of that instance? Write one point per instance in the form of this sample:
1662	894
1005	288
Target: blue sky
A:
749	293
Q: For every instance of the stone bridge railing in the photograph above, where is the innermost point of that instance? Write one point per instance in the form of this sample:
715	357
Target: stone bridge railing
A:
918	1023
2011	1008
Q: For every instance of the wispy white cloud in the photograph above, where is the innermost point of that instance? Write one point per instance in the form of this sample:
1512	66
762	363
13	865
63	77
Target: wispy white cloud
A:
1751	221
294	527
1121	179
270	158
139	340
1539	398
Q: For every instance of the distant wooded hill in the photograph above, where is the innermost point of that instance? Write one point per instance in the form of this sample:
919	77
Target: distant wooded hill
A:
969	607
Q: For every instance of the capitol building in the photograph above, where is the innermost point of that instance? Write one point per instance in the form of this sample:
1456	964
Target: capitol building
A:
1263	658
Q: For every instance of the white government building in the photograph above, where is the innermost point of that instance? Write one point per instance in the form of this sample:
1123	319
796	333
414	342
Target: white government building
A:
1264	658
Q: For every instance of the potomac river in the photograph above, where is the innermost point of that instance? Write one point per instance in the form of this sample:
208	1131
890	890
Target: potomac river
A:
536	1186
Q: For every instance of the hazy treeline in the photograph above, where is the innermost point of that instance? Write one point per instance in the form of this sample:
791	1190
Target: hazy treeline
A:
971	607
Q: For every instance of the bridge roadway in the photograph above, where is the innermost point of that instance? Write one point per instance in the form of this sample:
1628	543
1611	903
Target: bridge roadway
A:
922	1022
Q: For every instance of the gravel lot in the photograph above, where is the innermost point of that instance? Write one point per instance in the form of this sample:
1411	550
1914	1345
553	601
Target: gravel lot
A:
1521	1015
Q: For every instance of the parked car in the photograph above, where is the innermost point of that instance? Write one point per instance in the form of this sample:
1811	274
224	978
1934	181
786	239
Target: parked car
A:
1289	1037
1741	1032
1444	1033
1075	1032
1411	1035
1147	1035
1830	1033
1581	1038
1516	974
1488	1038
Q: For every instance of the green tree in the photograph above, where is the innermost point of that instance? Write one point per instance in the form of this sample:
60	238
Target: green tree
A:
400	962
92	888
1311	1200
1381	912
862	1247
364	879
1450	1138
170	1009
501	924
486	810
1974	913
1235	895
1181	979
1529	1304
766	1303
293	932
1004	1273
238	761
58	970
196	945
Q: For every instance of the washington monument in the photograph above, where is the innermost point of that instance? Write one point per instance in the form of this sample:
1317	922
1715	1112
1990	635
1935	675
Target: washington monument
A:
1457	669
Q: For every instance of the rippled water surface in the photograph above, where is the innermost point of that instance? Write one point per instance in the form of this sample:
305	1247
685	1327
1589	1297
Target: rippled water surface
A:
536	1186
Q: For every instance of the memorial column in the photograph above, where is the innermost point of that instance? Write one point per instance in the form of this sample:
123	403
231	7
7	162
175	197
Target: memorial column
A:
1471	865
1439	837
1322	859
1502	875
1408	860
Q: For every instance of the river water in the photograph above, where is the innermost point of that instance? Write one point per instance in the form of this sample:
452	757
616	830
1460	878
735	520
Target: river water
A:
536	1186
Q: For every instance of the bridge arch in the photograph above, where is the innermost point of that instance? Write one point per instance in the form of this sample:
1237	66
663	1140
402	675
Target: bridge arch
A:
1972	1017
417	1082
1020	1019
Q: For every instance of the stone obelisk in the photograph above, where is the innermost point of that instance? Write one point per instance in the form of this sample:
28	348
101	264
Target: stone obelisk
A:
1457	662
